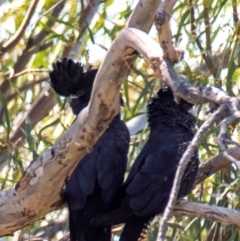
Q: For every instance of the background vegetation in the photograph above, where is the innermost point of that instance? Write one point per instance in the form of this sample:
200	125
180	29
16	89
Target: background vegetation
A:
32	116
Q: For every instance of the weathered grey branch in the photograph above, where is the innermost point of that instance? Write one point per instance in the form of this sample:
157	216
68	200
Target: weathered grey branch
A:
153	53
215	164
39	190
235	12
55	10
162	23
209	212
219	58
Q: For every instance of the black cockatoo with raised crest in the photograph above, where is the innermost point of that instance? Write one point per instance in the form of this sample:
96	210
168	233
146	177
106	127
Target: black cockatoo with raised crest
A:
94	182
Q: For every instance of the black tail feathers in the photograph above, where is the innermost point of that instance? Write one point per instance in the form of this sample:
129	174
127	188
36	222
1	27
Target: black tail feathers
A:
135	229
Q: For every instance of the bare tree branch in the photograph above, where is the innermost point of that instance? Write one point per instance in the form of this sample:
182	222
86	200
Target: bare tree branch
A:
209	212
215	164
89	10
27	71
18	34
162	23
56	9
219	58
153	53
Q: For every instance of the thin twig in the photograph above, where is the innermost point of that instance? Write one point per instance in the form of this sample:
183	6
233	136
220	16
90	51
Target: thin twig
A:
27	71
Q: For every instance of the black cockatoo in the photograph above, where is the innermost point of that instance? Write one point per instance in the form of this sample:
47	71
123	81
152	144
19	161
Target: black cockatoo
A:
146	191
93	184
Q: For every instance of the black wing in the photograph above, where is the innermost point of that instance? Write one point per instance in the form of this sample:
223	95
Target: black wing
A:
94	183
97	177
106	165
151	177
112	161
